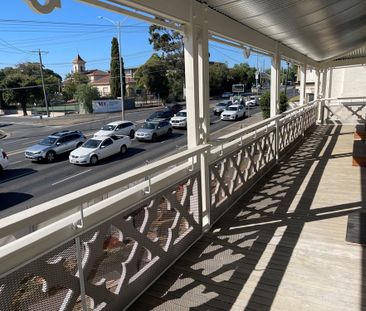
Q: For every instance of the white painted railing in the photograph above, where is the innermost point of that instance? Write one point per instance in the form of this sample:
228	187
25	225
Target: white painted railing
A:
104	255
345	110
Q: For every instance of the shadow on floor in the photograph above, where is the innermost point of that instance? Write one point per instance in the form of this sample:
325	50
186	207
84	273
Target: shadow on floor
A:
229	265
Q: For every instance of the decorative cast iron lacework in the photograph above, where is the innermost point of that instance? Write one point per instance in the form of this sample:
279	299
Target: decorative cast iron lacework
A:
120	257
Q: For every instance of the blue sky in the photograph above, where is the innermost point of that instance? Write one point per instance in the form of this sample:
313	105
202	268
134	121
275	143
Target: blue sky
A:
19	35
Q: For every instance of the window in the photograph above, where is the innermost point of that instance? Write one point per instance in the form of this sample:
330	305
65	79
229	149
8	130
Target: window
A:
107	142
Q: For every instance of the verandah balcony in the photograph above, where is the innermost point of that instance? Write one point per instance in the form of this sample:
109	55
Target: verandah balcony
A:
281	245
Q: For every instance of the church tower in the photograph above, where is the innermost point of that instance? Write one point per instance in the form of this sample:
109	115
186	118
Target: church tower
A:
78	64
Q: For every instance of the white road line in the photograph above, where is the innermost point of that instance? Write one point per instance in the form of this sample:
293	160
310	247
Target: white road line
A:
15	152
29	142
13	141
67	178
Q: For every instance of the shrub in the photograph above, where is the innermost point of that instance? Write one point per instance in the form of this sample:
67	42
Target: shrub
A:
265	103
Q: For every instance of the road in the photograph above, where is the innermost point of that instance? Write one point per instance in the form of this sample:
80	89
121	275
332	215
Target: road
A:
25	184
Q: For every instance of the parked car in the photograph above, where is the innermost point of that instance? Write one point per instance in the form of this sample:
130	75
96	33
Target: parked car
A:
179	119
233	112
117	128
220	107
227	95
97	148
165	114
4	161
175	108
54	145
151	130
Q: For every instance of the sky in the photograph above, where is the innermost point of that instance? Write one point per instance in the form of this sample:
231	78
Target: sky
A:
76	29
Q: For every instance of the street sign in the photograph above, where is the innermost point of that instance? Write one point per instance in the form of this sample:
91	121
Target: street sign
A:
237	88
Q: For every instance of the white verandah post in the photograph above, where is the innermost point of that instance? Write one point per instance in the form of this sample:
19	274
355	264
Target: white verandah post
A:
303	84
275	96
197	95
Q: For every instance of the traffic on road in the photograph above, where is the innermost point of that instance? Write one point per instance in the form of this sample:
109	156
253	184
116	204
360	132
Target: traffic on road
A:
39	162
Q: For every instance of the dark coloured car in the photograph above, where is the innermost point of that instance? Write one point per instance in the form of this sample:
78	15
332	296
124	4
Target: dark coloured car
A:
164	114
175	108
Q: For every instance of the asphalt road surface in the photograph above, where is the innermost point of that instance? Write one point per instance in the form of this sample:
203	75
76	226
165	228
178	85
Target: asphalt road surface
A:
25	183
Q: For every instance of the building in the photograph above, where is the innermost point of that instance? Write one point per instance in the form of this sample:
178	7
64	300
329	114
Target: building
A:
100	79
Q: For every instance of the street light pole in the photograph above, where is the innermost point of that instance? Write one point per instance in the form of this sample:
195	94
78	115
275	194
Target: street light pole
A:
118	25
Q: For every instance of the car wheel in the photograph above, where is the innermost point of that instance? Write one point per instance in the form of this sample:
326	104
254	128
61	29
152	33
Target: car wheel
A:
94	160
154	137
169	133
236	117
132	134
50	156
123	149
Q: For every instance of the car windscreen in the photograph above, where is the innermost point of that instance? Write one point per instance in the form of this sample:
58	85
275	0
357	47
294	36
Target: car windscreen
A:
181	114
49	141
108	127
92	143
232	108
149	125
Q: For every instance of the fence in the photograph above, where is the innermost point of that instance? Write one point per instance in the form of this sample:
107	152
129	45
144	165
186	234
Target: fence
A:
101	246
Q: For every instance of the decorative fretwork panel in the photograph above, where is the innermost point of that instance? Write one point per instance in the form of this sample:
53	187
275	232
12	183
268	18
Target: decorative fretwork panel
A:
347	113
230	173
120	257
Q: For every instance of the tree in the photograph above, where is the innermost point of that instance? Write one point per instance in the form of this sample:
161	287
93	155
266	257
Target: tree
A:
153	76
169	45
243	74
115	80
85	94
218	78
265	103
72	81
22	84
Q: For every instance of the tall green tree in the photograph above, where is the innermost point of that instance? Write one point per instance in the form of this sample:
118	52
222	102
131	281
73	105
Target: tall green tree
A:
169	46
22	84
114	71
85	94
153	76
218	78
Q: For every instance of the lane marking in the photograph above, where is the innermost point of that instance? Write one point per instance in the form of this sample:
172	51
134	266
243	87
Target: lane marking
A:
31	141
15	152
67	178
13	141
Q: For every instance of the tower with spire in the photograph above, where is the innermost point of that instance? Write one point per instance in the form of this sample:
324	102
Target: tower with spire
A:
78	64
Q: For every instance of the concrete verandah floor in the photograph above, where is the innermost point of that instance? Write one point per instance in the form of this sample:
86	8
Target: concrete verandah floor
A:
282	246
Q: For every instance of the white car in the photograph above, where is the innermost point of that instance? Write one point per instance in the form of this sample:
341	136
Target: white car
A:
4	162
233	112
252	102
179	119
97	148
117	128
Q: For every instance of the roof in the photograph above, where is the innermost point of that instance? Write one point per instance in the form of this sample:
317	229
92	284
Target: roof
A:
104	80
78	60
339	26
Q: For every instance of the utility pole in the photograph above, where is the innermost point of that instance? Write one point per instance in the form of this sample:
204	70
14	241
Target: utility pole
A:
43	86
